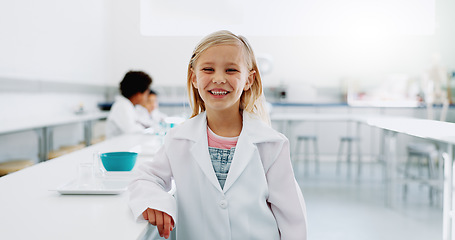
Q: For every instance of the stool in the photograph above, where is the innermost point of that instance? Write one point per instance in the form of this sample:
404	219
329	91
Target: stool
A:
421	151
349	140
14	165
305	140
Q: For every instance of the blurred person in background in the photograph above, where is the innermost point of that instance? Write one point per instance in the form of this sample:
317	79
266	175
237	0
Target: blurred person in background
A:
148	112
134	89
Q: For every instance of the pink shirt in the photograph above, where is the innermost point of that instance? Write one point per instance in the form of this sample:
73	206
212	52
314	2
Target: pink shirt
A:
219	141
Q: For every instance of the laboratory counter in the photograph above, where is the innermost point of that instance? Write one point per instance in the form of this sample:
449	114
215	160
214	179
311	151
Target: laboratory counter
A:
32	208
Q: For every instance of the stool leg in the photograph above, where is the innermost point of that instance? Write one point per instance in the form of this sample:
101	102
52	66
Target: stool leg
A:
340	152
296	156
316	154
348	160
420	164
431	177
406	175
431	168
359	159
306	157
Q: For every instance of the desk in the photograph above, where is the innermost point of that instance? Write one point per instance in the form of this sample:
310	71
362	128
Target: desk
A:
30	210
43	127
442	132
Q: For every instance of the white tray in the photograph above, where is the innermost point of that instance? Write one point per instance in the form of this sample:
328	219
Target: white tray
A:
106	187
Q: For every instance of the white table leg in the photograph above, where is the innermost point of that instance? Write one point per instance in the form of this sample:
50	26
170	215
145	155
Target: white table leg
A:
391	163
43	143
359	151
447	223
382	158
88	132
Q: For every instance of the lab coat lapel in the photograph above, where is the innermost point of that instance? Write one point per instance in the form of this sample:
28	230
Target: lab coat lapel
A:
243	154
200	153
254	131
195	129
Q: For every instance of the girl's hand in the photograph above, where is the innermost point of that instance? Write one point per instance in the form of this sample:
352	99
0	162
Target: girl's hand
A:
161	220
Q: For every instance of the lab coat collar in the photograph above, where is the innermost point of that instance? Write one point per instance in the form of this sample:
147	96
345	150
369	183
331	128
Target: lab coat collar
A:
253	131
121	98
256	130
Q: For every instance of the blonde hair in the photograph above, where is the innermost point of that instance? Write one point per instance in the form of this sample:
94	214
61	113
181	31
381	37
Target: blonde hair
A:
252	100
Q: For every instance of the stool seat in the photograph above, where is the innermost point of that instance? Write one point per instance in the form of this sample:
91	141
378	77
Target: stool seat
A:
418	148
14	165
307	137
349	138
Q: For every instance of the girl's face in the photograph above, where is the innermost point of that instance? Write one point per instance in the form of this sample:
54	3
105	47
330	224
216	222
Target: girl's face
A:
221	75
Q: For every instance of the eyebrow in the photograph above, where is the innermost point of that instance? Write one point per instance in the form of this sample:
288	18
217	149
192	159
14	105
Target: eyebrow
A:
205	63
211	63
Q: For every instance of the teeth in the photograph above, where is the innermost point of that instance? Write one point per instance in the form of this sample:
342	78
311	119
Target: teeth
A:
219	92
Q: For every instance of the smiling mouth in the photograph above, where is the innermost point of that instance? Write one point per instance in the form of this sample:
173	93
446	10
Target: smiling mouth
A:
218	92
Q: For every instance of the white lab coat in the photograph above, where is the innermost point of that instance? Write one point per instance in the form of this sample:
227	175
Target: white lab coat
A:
260	200
122	118
144	116
149	119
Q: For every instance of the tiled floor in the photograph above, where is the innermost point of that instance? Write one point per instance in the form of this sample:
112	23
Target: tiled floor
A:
346	209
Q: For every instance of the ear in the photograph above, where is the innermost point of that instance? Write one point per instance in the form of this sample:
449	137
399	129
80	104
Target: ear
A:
193	78
250	80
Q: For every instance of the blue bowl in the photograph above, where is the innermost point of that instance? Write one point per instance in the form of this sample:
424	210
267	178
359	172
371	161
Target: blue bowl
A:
118	161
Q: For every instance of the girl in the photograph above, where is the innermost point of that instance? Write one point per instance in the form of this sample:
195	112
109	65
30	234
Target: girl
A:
232	172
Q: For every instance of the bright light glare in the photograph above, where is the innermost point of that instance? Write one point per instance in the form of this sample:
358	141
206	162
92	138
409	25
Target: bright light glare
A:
288	17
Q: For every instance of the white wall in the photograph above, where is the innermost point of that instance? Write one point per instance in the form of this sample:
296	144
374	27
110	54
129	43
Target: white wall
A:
164	58
52	40
308	60
97	41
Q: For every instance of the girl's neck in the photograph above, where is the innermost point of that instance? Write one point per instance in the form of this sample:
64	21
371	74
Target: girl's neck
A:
225	124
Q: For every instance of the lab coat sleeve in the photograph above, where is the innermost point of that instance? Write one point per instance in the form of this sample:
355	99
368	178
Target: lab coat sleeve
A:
150	189
285	197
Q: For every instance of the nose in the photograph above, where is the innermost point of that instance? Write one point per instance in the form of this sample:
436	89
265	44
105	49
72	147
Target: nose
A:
218	78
